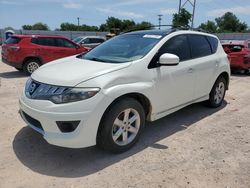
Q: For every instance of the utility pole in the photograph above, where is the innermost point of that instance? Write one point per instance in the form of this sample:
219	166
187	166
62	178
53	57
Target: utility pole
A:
160	15
78	21
182	4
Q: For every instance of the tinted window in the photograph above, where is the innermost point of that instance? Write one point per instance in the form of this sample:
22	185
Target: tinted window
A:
96	40
44	41
12	40
214	43
86	41
199	46
64	43
177	45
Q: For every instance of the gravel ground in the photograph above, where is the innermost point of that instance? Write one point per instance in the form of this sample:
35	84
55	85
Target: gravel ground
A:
194	147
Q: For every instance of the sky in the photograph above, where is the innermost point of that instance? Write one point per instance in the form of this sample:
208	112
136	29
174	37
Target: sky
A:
15	13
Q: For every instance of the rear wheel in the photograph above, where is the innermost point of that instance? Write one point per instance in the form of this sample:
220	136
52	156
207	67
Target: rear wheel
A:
31	65
217	93
121	126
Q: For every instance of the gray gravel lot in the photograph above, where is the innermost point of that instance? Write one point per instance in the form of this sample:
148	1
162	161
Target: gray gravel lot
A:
194	147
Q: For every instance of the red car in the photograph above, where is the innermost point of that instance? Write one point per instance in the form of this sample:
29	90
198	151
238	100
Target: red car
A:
28	52
239	54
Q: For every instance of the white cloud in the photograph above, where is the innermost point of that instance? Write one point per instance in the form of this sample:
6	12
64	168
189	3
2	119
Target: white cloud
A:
72	5
120	13
236	10
168	11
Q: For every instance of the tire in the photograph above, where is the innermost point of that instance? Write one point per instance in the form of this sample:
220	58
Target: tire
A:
112	136
217	93
31	65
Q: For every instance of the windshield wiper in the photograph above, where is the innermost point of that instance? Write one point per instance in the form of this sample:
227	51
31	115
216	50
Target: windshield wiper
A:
96	59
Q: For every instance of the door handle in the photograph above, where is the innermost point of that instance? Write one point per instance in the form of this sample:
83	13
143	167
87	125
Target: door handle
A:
190	70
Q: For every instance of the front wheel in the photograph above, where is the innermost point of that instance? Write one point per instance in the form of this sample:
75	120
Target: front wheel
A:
121	126
217	93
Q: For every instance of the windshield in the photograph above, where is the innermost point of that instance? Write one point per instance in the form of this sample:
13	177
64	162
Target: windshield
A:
123	48
77	40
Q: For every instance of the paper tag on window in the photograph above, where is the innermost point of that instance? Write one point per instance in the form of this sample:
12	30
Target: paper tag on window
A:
152	36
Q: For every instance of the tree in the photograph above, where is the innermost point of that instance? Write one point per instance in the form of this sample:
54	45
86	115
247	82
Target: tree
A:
209	26
27	27
182	19
143	25
40	26
123	25
230	23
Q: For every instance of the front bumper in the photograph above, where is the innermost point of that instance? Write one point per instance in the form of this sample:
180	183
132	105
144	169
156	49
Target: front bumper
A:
89	112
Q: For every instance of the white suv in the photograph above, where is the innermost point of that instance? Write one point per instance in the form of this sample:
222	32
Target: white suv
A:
105	96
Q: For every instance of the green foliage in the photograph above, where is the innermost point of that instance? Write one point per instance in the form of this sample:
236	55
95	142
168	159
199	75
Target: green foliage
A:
230	23
226	23
40	26
36	26
73	27
209	26
111	23
27	27
182	19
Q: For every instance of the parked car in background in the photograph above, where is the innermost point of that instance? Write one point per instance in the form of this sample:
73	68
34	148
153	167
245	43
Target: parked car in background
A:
28	52
89	41
239	54
105	96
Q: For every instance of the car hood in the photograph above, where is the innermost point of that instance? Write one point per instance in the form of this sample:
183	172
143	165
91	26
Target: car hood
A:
72	71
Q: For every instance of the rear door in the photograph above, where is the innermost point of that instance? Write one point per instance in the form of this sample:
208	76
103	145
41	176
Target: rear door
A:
46	48
205	64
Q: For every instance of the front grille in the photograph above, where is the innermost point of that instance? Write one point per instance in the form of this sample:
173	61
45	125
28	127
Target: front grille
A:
32	121
36	90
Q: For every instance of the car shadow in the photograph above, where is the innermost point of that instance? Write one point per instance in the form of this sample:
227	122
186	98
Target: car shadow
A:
35	153
12	74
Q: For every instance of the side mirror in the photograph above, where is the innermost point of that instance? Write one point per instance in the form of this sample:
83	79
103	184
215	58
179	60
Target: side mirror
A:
169	59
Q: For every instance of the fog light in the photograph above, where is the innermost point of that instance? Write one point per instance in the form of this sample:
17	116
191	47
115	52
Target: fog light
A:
67	126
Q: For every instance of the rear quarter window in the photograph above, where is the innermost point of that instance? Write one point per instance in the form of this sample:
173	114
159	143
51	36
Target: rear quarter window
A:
200	46
13	40
213	43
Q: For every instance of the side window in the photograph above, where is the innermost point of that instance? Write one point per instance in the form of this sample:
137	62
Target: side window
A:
64	43
86	41
100	40
96	40
177	45
44	41
248	45
214	43
199	46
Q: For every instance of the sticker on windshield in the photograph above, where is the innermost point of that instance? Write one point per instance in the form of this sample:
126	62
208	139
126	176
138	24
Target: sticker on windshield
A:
152	36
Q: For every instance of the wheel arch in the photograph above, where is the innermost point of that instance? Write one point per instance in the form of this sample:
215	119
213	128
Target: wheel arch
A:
225	75
32	57
142	99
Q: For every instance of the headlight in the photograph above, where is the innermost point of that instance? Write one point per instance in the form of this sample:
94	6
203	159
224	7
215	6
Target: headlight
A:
74	94
57	94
